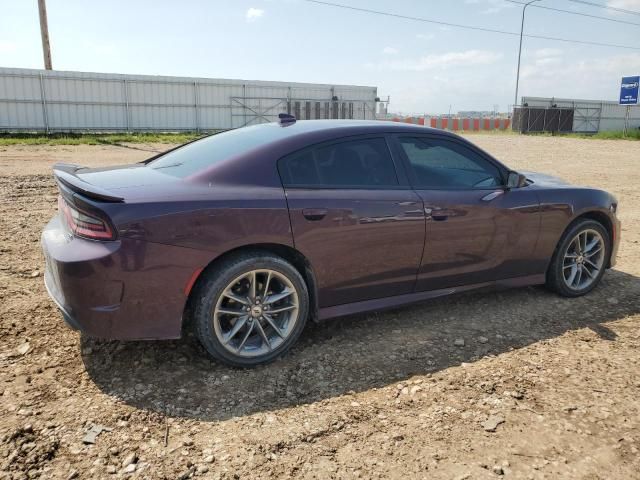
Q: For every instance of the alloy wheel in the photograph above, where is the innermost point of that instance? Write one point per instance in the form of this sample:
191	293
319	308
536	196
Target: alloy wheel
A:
256	313
583	259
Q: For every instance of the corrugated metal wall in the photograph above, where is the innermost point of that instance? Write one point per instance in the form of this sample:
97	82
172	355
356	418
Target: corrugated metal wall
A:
41	100
591	115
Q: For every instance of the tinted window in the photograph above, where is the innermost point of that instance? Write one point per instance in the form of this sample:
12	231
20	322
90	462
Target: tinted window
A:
204	153
356	163
444	164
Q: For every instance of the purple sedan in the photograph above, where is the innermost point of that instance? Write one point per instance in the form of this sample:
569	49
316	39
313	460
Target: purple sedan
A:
256	230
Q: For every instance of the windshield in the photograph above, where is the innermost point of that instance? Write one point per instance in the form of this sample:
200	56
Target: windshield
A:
201	154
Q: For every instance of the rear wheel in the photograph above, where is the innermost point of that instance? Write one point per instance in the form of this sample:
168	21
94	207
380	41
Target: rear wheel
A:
251	309
580	260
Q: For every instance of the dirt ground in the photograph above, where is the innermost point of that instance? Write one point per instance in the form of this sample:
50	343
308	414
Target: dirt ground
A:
383	395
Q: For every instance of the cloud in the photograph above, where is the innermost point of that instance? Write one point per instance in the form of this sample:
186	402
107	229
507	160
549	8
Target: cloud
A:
440	61
547	52
254	14
547	56
595	78
493	6
8	47
389	51
624	4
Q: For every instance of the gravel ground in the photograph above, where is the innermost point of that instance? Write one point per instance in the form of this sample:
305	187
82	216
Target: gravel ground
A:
521	383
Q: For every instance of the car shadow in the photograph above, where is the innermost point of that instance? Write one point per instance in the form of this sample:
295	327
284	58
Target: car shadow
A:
353	354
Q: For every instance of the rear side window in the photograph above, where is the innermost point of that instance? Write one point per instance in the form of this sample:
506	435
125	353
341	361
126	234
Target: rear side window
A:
201	154
442	164
356	163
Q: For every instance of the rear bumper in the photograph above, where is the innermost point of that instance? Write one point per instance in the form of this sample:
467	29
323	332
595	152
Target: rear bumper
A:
126	289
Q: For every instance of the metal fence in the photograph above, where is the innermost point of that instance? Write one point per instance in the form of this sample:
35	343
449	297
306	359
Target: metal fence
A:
539	119
50	101
588	116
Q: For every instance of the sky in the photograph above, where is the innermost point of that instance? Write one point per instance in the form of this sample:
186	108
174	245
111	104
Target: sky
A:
423	67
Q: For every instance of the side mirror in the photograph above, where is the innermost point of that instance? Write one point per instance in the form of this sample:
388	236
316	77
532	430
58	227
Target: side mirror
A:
516	180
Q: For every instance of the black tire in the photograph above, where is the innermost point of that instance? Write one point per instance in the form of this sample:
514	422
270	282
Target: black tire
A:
214	283
555	279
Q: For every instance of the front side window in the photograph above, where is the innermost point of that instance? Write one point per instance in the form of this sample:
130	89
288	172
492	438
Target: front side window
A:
356	163
441	164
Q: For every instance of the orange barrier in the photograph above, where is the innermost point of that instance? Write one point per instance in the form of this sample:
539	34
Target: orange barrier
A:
459	124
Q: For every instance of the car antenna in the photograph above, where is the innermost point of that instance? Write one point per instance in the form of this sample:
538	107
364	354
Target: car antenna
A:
286	119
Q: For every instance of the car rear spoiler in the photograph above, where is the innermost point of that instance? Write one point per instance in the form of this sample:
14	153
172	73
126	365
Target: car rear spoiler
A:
65	174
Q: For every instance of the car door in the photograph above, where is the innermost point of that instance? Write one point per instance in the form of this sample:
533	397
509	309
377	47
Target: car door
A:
477	230
355	218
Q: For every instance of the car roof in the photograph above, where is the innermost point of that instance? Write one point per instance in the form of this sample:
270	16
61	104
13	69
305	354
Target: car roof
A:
347	126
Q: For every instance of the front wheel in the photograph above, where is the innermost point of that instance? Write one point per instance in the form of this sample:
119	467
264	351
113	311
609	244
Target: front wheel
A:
580	260
251	309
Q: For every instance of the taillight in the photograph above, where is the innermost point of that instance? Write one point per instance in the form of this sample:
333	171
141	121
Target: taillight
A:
84	224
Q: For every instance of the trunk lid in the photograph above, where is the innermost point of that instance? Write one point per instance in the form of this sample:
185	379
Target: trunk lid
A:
112	184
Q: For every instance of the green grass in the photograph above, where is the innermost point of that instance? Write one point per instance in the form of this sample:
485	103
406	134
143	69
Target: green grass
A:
7	139
94	139
613	135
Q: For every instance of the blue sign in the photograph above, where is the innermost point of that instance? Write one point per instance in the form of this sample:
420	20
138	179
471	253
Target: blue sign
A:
629	90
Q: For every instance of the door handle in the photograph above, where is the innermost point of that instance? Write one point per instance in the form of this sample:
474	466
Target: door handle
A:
314	214
437	214
492	195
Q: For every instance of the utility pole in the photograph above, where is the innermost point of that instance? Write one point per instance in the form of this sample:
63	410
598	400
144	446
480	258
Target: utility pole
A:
44	32
524	9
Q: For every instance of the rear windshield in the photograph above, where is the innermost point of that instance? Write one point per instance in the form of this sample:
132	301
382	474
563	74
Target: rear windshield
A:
201	154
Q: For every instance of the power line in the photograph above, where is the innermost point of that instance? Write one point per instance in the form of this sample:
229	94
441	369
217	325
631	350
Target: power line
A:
468	27
577	13
607	7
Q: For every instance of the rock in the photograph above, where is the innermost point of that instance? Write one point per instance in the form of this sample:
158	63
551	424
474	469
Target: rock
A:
498	470
111	469
75	450
129	459
186	474
129	468
209	459
94	431
24	348
35	274
492	423
72	474
483	339
202	469
459	342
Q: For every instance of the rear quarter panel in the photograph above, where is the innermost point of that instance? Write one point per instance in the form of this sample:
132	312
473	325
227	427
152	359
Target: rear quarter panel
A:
218	221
